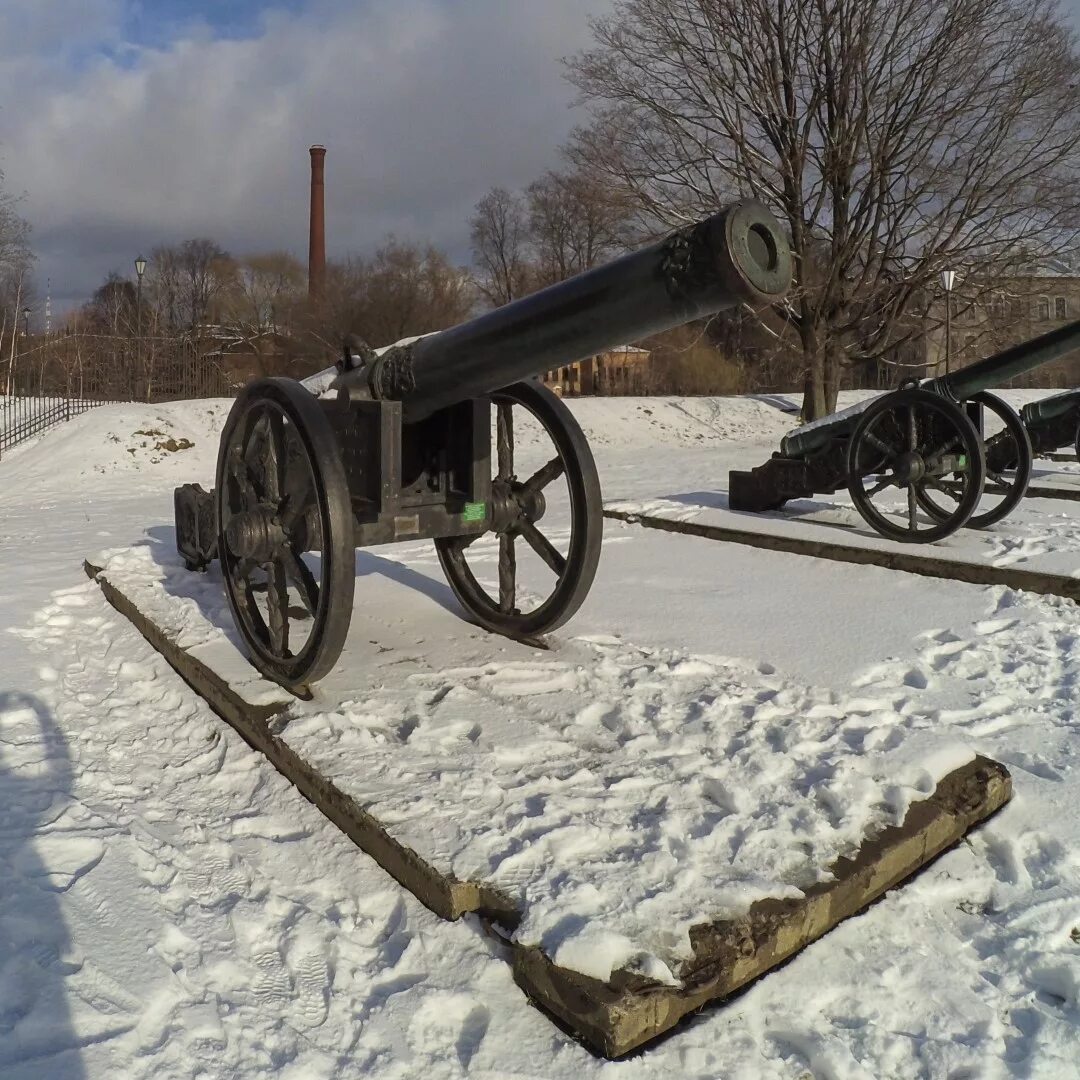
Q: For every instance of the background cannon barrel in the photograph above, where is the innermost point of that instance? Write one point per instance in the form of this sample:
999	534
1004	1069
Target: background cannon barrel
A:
1002	366
958	385
738	255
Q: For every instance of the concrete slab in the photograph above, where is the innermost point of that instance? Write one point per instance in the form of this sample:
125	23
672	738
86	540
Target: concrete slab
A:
808	536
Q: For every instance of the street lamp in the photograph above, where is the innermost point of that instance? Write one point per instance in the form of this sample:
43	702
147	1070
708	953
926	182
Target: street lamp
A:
140	269
948	279
26	321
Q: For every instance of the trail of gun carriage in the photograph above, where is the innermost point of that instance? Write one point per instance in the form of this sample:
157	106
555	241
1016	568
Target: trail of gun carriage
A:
650	649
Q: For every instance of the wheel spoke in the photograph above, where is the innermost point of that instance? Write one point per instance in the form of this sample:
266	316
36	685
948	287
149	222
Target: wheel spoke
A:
296	570
912	505
913	435
275	458
882	445
254	457
505	439
544	475
507	574
954	491
543	547
277	605
295	503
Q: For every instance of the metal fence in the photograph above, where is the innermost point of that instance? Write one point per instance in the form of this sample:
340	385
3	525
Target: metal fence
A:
52	379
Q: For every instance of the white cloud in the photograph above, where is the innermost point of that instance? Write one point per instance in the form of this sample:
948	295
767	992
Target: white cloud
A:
423	104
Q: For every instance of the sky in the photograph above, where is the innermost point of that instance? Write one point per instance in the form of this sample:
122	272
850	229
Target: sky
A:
131	123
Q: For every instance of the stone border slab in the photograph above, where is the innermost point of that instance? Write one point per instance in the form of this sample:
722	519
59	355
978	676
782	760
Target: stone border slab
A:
1042	491
616	1017
445	895
1034	581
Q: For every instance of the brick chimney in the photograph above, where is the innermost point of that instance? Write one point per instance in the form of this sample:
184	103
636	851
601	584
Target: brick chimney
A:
317	243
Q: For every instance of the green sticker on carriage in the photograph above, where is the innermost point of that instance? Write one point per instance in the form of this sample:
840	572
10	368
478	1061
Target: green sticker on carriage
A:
961	461
475	512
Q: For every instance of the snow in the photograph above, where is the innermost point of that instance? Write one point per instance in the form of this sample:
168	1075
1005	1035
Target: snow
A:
539	775
170	907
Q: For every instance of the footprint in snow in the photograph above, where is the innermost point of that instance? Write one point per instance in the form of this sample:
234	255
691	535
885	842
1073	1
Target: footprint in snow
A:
311	975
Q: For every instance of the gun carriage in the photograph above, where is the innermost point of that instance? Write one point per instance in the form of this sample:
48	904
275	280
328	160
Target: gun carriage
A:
922	442
399	449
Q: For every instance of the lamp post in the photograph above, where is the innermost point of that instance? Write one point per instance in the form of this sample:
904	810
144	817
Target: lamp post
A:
26	322
948	279
140	269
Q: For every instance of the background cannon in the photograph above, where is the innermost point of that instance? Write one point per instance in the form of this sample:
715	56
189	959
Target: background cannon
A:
400	450
925	441
1052	423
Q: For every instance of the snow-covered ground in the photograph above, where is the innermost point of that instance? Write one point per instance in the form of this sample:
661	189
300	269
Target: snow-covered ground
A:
170	907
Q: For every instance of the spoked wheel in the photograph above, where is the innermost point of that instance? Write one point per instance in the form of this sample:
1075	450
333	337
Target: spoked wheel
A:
285	531
1009	460
909	442
538	578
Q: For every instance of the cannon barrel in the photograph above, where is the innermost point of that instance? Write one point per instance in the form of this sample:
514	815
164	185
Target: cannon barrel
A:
738	255
959	385
1007	364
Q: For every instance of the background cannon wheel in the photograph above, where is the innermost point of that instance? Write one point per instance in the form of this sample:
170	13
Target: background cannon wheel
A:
910	441
282	492
1008	450
569	559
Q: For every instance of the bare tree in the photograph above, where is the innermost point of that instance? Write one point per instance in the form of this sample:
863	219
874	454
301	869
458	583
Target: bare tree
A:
163	290
112	309
575	223
401	291
893	138
499	229
266	291
207	272
16	263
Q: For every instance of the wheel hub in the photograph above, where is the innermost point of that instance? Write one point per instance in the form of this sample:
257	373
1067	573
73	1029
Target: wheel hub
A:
910	467
532	504
512	502
255	534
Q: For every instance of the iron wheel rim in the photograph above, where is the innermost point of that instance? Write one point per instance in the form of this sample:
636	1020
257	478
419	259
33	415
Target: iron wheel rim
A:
910	437
319	520
576	465
1011	492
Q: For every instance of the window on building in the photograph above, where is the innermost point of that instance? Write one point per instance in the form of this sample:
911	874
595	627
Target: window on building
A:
1060	308
1044	308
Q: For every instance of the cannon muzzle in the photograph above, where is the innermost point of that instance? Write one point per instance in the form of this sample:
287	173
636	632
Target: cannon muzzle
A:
739	255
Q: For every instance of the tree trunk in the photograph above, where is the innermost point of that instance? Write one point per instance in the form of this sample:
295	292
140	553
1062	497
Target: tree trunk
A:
832	372
814	403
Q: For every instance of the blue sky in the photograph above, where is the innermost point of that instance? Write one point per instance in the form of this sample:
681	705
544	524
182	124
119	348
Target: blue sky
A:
156	22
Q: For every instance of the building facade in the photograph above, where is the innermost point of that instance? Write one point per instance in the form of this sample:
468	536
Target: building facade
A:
1039	298
622	371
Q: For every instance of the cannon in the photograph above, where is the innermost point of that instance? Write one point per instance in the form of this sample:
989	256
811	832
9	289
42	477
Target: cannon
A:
924	441
399	448
1052	423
